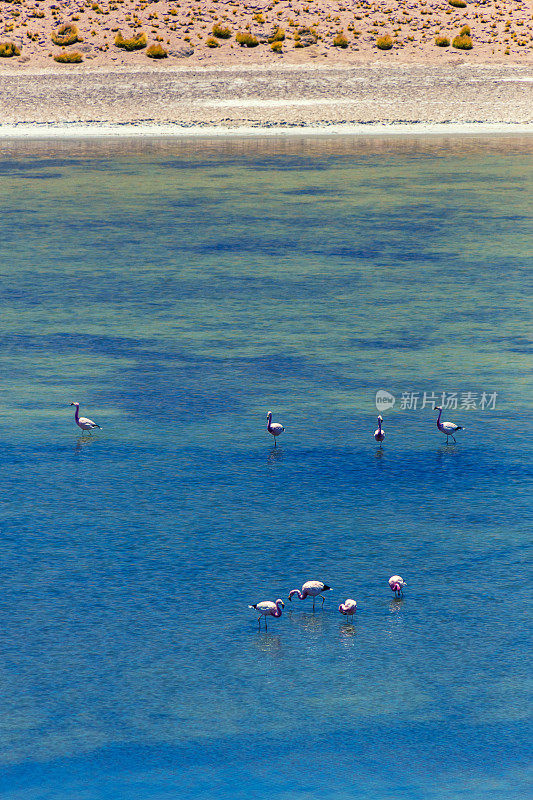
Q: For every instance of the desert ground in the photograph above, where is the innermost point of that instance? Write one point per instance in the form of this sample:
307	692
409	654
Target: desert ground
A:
323	31
267	63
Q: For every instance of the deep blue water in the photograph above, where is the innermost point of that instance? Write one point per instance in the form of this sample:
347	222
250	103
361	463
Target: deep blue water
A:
179	290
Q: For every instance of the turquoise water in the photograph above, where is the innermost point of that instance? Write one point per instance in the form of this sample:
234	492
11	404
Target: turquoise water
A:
179	290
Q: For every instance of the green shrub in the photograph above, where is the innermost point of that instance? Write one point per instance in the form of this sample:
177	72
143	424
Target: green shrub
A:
457	3
384	42
277	36
221	32
462	43
69	58
136	42
65	35
340	40
442	41
276	47
465	30
8	50
156	51
212	42
246	40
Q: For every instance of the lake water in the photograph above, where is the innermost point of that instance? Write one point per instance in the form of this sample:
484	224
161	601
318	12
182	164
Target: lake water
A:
180	289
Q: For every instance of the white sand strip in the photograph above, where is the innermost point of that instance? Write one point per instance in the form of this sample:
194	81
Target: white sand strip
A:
148	129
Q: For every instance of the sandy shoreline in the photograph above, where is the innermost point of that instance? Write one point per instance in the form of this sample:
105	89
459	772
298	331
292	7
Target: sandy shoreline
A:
249	98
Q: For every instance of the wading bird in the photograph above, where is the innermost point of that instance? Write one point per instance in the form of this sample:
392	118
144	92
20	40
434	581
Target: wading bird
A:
348	608
267	608
311	589
82	422
448	428
396	584
274	427
379	435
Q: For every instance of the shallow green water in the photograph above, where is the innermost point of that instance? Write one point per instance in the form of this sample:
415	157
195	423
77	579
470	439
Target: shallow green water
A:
179	290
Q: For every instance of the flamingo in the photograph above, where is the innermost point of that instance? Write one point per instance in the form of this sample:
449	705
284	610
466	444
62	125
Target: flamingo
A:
379	435
396	584
311	589
348	608
449	428
267	608
274	427
82	422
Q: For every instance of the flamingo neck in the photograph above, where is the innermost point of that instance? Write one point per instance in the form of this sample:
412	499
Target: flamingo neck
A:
297	592
269	420
277	612
77	412
379	425
438	418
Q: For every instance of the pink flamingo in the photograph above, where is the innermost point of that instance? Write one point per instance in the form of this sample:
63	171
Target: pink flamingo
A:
348	608
83	422
311	589
379	435
267	608
396	584
448	428
274	427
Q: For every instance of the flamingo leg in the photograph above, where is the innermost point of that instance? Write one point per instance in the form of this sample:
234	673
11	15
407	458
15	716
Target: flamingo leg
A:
453	437
313	603
323	599
275	443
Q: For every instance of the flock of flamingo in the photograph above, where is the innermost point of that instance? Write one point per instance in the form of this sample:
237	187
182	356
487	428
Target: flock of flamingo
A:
276	429
448	428
314	589
267	608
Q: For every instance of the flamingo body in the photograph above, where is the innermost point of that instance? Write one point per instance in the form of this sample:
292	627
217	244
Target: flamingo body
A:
84	423
311	589
267	608
448	428
396	584
275	428
379	435
348	608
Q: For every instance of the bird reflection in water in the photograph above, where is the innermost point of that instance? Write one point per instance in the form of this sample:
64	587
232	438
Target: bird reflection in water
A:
268	643
380	452
275	454
347	633
447	450
313	623
83	440
396	604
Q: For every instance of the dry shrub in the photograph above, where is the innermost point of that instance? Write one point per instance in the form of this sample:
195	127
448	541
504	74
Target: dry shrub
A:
212	42
221	32
136	42
462	43
442	41
69	58
277	36
457	3
156	51
65	35
384	43
276	47
246	40
465	30
340	40
8	50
